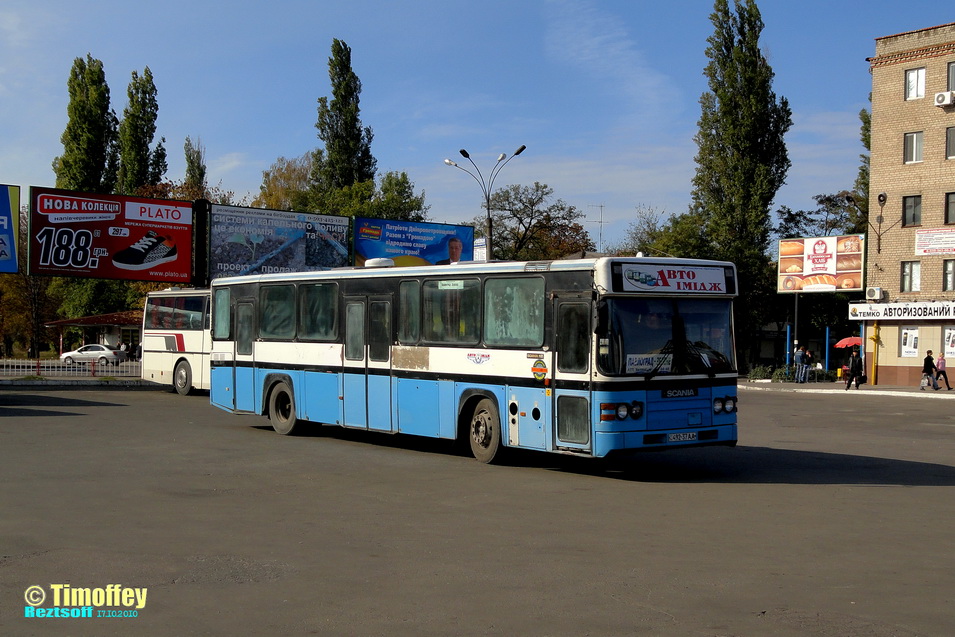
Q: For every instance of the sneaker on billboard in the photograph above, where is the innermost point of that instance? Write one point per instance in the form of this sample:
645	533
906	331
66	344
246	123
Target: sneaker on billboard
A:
150	251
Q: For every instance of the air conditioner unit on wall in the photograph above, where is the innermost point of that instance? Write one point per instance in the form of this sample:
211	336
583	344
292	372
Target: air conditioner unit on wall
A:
945	98
873	294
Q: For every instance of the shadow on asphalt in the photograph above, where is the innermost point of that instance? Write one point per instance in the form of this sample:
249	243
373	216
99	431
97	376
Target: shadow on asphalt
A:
729	465
24	405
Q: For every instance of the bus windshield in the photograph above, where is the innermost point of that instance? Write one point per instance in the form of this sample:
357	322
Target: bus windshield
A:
665	337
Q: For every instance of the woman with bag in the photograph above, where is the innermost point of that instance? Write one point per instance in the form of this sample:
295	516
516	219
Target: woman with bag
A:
855	370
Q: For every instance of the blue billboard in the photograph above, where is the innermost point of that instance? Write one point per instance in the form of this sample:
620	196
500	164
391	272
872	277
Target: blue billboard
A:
9	224
412	243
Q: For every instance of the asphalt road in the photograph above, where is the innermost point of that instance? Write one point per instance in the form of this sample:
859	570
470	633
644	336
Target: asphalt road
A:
835	516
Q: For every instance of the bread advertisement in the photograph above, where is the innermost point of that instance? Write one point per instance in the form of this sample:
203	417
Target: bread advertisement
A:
821	264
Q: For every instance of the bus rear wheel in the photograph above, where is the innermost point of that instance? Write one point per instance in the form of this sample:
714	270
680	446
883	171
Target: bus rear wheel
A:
484	432
182	378
282	409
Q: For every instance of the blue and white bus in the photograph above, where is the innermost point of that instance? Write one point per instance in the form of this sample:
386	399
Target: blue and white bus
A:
588	357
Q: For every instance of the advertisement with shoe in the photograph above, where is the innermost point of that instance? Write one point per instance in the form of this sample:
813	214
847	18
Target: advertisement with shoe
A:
109	236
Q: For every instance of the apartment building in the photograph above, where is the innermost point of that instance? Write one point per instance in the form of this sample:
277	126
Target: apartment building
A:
910	265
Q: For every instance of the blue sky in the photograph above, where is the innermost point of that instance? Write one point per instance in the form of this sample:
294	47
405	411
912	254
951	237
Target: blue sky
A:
604	94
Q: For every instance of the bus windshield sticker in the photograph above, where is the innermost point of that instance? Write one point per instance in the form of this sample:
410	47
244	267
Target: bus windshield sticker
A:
451	285
645	363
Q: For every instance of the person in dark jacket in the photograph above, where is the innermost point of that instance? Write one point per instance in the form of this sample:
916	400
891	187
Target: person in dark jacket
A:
855	370
928	372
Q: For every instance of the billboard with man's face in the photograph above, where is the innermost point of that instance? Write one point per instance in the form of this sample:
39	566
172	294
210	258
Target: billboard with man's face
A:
412	243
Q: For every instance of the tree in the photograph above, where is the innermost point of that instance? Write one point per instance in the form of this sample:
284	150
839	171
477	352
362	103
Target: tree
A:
88	162
528	227
346	159
195	180
742	159
395	199
138	165
285	184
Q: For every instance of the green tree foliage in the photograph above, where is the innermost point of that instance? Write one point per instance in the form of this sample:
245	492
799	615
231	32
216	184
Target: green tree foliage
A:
347	157
25	304
285	184
528	226
89	158
195	180
395	199
138	165
742	159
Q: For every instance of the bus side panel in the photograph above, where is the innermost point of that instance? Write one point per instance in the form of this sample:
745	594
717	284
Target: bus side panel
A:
526	412
222	392
320	402
419	407
245	388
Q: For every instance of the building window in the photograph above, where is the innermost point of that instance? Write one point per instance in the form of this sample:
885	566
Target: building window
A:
912	210
950	207
951	76
911	276
948	275
915	84
913	147
950	143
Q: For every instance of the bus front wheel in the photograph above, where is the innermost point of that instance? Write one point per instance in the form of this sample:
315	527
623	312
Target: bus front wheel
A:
282	409
484	432
182	378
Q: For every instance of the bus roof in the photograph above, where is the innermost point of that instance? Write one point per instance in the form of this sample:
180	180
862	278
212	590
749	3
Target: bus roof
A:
597	264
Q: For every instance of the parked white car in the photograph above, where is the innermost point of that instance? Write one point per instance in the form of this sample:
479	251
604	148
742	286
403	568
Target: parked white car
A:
102	354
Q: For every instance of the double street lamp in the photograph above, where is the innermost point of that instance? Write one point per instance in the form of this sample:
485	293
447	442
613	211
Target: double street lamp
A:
487	187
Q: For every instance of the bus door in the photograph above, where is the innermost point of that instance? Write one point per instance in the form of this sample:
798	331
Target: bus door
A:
572	384
244	389
366	386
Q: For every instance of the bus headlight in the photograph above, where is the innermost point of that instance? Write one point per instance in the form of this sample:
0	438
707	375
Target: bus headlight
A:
729	404
623	410
636	410
717	405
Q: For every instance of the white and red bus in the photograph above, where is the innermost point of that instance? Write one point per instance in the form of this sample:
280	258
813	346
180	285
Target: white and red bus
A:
176	339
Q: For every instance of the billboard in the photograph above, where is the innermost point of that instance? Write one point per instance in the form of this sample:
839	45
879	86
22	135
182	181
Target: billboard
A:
821	264
109	236
260	241
412	243
9	226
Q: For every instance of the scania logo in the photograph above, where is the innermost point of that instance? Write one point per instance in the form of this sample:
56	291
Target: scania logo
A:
679	393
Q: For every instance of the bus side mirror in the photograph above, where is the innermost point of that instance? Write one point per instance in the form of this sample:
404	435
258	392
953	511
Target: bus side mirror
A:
601	320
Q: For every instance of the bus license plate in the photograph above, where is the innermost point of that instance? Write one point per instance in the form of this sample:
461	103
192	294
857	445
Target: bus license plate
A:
684	437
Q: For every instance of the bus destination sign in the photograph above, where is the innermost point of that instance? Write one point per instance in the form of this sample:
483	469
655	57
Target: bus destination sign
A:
681	279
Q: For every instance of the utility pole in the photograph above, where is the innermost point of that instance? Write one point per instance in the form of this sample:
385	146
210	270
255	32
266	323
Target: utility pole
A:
600	234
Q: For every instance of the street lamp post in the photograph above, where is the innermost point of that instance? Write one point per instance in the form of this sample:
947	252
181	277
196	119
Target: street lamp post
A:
487	187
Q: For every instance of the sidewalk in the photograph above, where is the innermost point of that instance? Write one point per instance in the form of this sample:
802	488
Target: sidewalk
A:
839	387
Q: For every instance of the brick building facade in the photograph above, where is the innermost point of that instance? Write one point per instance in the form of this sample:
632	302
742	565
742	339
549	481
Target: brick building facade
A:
910	271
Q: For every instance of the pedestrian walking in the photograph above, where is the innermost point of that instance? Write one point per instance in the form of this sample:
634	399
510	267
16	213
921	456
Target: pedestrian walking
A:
855	370
940	370
928	372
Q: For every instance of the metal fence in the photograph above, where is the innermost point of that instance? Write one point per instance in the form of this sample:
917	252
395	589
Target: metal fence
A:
27	368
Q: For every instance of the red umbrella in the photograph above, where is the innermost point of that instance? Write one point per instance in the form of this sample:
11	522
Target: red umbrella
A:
850	341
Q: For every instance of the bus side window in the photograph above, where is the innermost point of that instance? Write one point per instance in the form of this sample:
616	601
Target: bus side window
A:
409	309
277	312
573	337
514	312
318	311
222	327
